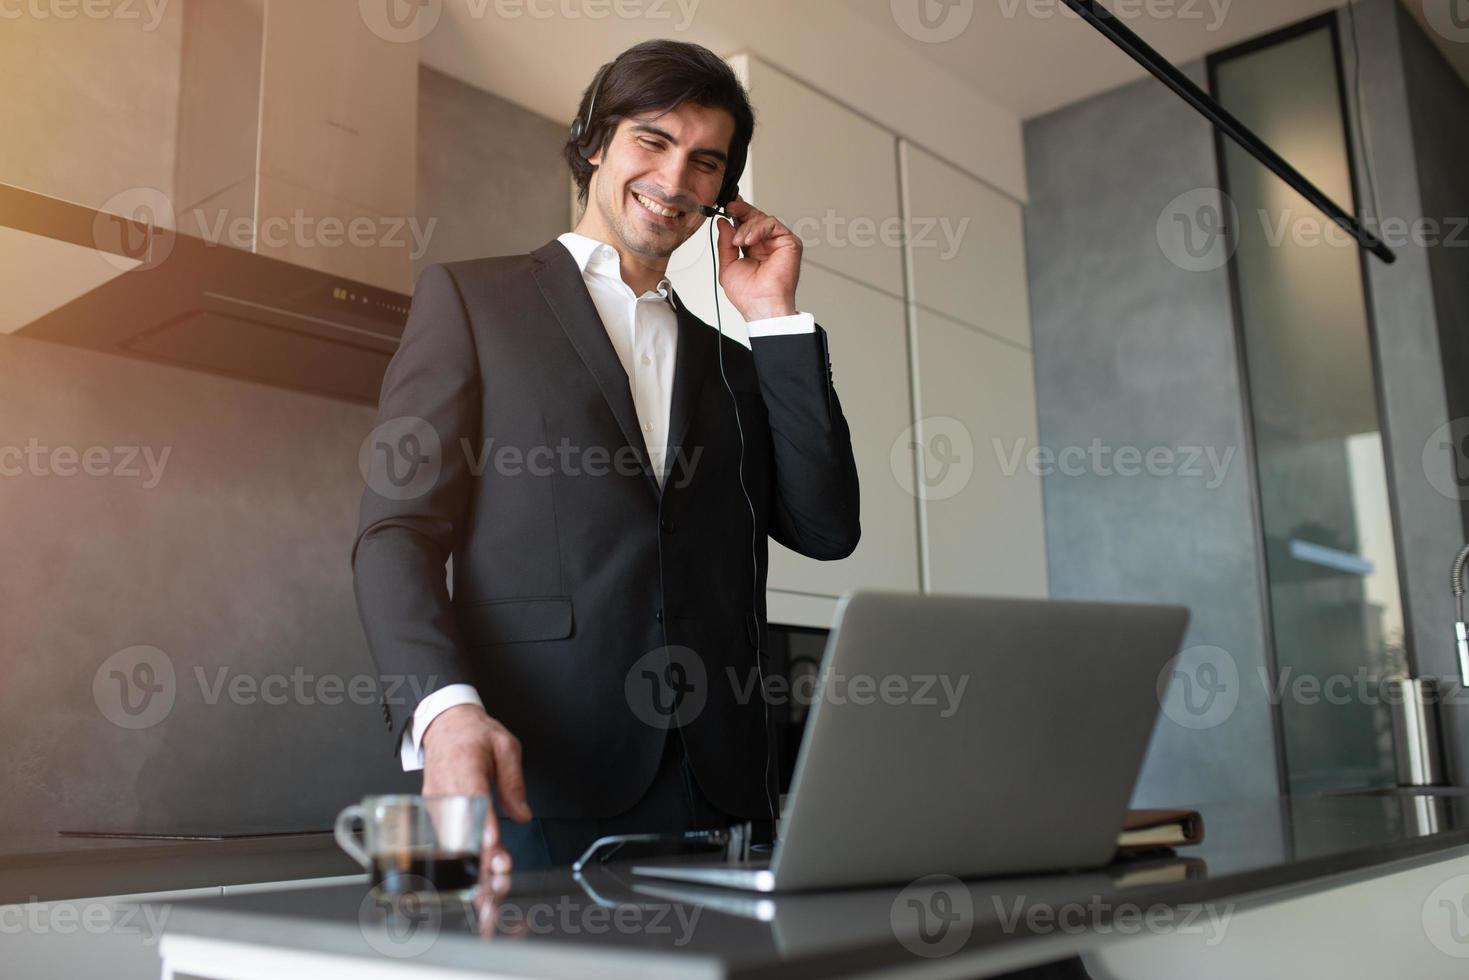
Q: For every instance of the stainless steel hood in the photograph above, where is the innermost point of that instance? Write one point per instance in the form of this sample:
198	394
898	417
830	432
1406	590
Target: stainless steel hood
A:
181	300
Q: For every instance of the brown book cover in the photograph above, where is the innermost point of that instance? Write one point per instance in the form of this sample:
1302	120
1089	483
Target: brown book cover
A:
1144	830
1146	870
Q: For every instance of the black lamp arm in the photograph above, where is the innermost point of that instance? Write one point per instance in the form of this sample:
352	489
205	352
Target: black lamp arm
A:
1140	51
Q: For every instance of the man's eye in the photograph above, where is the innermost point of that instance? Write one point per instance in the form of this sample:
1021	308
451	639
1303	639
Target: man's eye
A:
651	144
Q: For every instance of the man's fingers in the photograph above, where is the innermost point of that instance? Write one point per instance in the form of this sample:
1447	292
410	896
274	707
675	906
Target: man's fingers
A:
492	890
509	781
493	856
766	231
473	754
491	838
753	230
739	207
728	253
496	861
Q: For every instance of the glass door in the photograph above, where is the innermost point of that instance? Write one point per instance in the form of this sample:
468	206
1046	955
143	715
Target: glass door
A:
1336	608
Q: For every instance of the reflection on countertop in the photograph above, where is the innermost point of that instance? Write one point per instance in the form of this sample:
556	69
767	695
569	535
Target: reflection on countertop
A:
550	923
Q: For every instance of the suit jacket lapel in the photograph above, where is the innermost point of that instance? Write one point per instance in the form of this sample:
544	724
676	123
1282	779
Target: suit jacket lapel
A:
694	360
561	283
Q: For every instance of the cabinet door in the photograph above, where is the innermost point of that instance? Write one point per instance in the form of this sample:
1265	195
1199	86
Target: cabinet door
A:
852	281
966	246
869	354
981	495
848	217
867	338
983	529
829	174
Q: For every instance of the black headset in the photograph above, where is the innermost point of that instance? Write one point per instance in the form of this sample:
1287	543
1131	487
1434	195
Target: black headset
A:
587	140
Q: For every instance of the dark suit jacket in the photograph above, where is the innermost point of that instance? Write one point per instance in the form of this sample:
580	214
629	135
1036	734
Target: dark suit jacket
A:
573	572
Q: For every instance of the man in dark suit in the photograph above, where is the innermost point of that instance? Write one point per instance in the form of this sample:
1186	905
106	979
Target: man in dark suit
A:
604	469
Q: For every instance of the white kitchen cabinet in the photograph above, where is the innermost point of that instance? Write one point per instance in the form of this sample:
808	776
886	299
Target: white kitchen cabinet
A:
853	283
931	325
982	518
828	174
966	248
981	502
867	340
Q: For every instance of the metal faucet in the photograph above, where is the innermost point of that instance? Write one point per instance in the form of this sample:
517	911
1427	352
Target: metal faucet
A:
1461	630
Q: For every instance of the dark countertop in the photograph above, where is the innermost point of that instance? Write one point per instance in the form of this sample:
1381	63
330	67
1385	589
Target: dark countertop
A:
44	867
551	925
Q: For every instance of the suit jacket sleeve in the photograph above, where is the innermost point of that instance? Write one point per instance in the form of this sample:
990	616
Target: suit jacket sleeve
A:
814	507
412	516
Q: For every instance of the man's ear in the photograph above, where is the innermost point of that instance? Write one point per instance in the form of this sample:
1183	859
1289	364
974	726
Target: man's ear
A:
596	158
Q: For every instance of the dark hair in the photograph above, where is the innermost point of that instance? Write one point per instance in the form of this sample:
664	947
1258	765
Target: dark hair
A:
657	76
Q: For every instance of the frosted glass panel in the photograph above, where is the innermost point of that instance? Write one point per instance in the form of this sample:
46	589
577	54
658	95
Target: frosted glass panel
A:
1330	555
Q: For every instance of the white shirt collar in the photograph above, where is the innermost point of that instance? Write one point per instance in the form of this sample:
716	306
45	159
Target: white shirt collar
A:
598	258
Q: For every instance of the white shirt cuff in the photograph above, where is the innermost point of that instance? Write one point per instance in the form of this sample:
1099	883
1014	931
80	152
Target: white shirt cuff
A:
782	326
435	704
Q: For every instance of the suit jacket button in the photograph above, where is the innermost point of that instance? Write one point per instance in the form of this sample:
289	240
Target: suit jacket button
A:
659	616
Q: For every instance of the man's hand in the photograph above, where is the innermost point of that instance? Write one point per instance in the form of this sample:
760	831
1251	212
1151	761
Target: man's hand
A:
464	752
762	284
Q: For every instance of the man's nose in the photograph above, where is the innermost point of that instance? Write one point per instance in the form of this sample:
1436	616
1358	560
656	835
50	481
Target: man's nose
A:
674	182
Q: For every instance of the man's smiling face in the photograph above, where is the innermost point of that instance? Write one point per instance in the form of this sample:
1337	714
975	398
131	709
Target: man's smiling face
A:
656	172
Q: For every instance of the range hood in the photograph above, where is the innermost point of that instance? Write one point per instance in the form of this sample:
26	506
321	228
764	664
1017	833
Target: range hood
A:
181	300
289	115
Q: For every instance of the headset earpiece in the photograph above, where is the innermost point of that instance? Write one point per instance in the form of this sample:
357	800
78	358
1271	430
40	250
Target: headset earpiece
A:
582	133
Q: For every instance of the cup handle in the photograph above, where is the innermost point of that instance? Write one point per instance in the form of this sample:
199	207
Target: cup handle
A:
347	836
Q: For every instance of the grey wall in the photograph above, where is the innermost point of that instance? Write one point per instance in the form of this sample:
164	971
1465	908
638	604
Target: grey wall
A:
236	559
1411	109
490	173
1135	351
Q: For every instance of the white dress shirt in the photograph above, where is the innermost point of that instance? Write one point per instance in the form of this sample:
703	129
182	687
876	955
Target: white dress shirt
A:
644	333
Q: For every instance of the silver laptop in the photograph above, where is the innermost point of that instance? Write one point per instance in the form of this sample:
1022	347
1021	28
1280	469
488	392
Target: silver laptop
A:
964	736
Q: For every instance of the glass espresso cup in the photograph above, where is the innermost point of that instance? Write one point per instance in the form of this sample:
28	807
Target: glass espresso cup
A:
427	845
